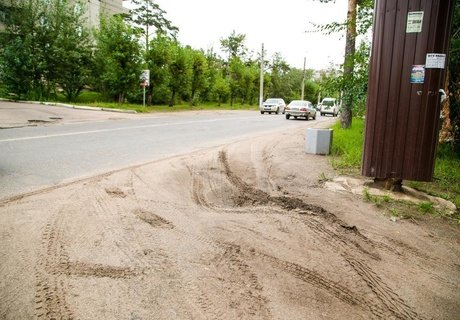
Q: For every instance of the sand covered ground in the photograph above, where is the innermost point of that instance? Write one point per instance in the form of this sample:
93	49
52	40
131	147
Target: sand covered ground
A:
242	231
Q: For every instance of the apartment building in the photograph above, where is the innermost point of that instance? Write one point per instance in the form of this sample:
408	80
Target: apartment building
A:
93	9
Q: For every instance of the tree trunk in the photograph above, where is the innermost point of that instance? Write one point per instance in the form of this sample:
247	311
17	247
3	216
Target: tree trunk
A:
445	133
149	99
149	95
171	102
348	67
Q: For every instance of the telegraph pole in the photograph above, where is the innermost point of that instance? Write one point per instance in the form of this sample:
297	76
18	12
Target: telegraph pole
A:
261	88
303	77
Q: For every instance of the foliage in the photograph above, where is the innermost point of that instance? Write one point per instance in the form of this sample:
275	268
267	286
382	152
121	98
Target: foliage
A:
180	70
353	77
235	76
118	59
221	89
454	83
147	14
217	88
47	51
45	40
357	85
23	57
277	85
234	46
73	48
18	73
158	58
364	19
199	81
286	82
330	82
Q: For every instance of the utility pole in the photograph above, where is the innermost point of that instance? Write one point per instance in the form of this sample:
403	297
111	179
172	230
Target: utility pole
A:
261	88
147	30
303	77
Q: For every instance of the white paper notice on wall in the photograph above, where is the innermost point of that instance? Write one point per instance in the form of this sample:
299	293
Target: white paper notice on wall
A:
414	21
435	61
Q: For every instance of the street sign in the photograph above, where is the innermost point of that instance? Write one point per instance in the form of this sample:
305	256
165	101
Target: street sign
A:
145	78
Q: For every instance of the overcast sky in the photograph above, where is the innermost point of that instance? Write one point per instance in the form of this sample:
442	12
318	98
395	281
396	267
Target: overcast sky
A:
280	25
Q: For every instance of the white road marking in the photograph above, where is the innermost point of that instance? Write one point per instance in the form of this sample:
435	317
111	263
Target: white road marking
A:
116	129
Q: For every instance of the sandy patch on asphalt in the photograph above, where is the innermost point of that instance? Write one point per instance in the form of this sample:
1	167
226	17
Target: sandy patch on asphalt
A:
243	231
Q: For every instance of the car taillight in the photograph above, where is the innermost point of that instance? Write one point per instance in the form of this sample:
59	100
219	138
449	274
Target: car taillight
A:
303	109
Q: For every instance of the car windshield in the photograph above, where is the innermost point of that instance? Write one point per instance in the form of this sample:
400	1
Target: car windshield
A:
328	103
272	101
299	103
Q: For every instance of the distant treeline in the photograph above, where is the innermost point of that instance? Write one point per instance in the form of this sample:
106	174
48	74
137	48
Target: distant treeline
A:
48	50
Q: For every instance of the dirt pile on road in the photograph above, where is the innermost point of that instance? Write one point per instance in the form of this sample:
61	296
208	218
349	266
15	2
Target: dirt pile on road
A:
243	231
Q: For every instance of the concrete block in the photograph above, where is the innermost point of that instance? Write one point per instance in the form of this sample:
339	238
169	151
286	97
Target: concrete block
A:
318	141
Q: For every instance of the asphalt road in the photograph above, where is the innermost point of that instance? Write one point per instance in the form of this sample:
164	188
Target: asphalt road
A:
36	157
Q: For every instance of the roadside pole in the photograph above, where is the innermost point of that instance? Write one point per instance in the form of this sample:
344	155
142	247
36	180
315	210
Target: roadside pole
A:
303	77
261	89
145	82
143	101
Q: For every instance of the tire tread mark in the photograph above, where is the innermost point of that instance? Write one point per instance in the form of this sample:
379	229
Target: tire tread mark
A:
344	233
51	287
385	294
250	299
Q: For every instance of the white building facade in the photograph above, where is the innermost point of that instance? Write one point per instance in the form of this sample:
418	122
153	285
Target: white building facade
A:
93	8
96	8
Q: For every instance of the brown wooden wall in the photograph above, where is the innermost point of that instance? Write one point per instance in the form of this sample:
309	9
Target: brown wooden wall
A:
402	117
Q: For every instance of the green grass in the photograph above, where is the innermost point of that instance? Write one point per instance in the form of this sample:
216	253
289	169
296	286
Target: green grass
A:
446	182
95	99
426	207
175	108
347	145
346	156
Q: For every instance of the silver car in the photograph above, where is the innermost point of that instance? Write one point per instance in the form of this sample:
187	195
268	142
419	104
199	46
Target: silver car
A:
275	105
300	108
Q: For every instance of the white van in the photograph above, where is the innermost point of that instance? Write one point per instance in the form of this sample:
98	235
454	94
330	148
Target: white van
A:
329	106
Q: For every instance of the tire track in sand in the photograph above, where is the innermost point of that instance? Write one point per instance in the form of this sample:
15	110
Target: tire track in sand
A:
55	267
199	301
386	302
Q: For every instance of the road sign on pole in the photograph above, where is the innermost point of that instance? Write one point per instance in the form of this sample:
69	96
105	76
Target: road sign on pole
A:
145	82
145	78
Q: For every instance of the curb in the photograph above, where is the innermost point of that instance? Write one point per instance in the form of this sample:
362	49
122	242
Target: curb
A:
64	105
118	110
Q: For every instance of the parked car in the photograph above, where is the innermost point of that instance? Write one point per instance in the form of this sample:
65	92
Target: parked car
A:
329	106
300	108
276	105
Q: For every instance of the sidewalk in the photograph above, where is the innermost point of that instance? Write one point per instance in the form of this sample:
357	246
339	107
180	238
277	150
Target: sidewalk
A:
21	114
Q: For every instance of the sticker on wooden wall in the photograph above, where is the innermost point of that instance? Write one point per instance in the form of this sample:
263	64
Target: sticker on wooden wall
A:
435	61
414	22
417	74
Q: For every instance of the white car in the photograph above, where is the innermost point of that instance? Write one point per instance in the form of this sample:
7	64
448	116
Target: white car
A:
300	108
329	106
275	105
